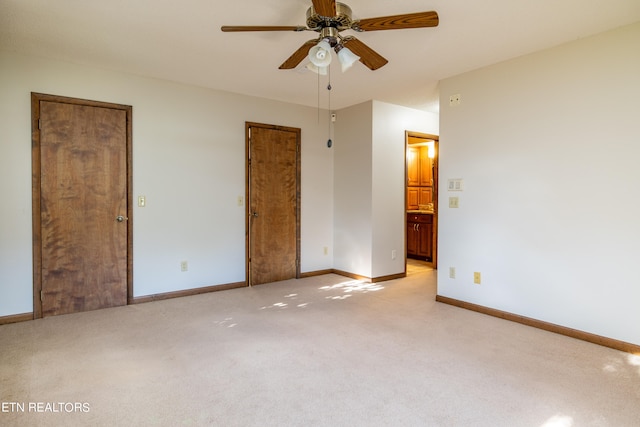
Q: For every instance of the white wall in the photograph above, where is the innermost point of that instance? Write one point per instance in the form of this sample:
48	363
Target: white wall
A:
548	147
370	185
390	122
188	160
352	190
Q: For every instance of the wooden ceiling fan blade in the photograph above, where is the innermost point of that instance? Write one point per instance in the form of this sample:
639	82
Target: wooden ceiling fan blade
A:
368	56
325	7
298	55
398	22
237	28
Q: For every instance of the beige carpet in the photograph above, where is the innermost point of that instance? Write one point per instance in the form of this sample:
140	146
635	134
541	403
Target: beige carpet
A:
321	351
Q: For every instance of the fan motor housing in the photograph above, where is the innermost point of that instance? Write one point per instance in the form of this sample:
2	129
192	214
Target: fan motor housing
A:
341	21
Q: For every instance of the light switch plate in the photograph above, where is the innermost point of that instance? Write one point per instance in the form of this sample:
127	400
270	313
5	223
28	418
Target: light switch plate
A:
456	184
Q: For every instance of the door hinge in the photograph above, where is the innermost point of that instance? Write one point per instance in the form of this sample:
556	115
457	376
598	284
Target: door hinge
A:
39	124
41	295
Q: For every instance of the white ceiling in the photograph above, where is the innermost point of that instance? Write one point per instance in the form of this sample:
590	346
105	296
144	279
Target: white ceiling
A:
181	41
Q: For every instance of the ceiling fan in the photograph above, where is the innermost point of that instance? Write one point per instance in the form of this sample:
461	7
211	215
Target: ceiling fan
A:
329	18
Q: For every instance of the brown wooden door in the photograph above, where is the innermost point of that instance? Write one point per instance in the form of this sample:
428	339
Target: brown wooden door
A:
81	226
273	210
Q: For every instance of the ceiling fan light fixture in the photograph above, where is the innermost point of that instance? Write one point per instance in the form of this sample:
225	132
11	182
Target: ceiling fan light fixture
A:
329	18
346	57
320	54
318	70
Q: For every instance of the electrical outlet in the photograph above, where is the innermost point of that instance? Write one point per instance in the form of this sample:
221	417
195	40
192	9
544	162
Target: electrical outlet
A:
184	266
454	100
452	272
142	201
476	277
454	202
393	254
240	200
326	250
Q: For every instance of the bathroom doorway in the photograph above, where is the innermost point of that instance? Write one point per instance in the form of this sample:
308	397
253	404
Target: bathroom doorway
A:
421	197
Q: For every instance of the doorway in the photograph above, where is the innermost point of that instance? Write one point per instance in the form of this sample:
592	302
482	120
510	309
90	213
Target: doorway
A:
81	189
273	203
421	196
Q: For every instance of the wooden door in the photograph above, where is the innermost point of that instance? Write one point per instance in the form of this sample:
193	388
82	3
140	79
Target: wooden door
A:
273	210
434	228
81	174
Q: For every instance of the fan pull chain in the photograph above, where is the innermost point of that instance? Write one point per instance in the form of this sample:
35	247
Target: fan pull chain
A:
318	98
329	142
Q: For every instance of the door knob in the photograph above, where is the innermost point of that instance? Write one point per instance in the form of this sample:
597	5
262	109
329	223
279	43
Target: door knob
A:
255	214
120	218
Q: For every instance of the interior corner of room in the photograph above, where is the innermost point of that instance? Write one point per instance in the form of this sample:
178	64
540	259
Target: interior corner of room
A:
520	236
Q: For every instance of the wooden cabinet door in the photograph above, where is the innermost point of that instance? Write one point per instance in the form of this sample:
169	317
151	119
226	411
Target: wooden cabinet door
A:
425	196
425	239
420	236
412	239
425	174
413	197
413	166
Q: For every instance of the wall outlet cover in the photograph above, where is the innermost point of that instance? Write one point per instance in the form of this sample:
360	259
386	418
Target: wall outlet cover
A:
477	277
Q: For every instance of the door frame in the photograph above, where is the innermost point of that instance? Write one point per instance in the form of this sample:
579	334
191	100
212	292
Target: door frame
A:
36	173
297	131
436	139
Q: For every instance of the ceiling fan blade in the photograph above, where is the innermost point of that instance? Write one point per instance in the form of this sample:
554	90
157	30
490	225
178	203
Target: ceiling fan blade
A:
398	22
368	56
325	7
236	28
298	55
